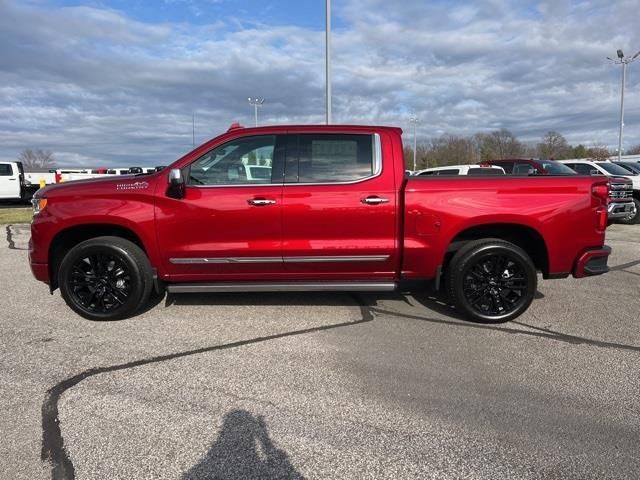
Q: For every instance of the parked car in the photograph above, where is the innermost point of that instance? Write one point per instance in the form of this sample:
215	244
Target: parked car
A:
610	169
462	170
336	214
621	205
633	167
530	166
13	185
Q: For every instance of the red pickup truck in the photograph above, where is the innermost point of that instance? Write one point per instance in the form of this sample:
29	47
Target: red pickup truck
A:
331	209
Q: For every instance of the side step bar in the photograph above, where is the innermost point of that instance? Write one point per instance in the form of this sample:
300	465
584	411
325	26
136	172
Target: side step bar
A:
282	287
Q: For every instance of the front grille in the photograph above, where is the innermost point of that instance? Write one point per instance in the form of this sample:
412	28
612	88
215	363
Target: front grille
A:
620	194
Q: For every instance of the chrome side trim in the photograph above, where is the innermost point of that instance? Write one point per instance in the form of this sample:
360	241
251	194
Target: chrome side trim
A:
200	261
337	258
282	287
301	259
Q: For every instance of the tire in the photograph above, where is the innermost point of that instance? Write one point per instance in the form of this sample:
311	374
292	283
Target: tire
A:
105	278
634	220
491	280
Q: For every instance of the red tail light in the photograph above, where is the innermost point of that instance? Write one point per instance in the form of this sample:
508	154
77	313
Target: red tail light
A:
58	177
601	190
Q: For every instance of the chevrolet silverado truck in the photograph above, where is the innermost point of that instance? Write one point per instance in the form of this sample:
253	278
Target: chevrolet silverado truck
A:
336	213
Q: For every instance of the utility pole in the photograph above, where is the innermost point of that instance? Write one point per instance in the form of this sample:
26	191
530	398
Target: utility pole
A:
414	120
193	128
256	102
328	60
624	61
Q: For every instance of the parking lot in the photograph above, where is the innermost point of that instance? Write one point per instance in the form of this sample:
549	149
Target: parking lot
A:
323	385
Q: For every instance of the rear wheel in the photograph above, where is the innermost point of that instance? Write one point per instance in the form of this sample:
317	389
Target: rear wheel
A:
491	280
105	278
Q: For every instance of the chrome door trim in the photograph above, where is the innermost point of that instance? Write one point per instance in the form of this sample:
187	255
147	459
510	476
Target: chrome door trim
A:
202	261
290	259
336	258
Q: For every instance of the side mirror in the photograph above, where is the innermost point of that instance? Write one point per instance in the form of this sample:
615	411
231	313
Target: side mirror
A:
176	184
594	172
532	171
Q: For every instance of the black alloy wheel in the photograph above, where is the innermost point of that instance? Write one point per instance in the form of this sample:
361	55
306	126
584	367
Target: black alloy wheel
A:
105	278
491	280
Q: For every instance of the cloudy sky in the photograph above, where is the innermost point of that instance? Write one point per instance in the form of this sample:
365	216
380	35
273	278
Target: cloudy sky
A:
116	82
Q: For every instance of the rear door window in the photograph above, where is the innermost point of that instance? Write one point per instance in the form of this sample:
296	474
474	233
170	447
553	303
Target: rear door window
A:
330	158
6	170
485	171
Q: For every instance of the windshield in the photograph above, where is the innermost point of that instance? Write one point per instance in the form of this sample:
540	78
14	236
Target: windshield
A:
632	167
614	169
555	168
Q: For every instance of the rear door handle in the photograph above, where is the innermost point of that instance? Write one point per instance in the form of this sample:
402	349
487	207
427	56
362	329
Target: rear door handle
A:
374	200
260	202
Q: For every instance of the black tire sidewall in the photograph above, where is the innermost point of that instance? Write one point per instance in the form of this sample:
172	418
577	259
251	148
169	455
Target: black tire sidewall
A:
139	289
470	255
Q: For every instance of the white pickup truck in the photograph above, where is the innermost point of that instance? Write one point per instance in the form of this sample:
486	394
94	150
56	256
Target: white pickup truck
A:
13	185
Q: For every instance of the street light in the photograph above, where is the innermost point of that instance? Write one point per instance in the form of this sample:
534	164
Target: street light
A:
624	61
328	61
256	102
414	120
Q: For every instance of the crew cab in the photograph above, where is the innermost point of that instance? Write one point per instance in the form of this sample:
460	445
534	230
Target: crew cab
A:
610	169
621	204
336	213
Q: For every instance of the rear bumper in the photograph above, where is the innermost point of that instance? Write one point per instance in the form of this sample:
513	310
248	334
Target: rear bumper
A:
592	262
621	209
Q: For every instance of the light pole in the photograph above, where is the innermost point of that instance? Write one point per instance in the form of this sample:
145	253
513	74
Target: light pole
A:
328	61
414	120
256	102
624	61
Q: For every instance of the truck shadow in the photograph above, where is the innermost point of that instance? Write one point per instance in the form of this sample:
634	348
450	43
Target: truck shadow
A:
243	450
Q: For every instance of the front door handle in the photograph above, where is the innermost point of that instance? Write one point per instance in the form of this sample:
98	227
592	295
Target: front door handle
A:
374	200
260	202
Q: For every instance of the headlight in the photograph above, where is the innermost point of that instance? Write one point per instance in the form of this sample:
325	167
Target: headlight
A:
38	204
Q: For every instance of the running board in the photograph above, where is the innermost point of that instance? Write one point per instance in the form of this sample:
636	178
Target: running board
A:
282	287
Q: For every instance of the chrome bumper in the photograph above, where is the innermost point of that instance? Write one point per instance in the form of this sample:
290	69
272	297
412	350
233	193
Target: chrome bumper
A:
621	209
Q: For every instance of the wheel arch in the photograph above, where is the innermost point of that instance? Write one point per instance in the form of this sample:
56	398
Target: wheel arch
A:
66	239
524	236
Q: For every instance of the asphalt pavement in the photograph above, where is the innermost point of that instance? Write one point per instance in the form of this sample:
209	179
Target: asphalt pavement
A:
245	386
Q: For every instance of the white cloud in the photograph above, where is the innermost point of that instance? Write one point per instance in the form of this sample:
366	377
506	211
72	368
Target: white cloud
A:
96	86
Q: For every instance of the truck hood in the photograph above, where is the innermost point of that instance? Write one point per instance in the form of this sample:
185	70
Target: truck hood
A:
113	184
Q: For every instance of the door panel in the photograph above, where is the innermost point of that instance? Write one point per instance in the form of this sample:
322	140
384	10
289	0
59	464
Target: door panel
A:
9	181
228	226
329	229
215	234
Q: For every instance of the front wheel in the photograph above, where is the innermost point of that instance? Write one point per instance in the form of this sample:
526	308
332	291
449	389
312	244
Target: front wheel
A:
105	278
491	280
632	219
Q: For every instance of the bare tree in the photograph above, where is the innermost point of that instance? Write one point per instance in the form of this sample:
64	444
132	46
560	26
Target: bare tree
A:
451	150
37	158
554	146
635	150
499	144
598	153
